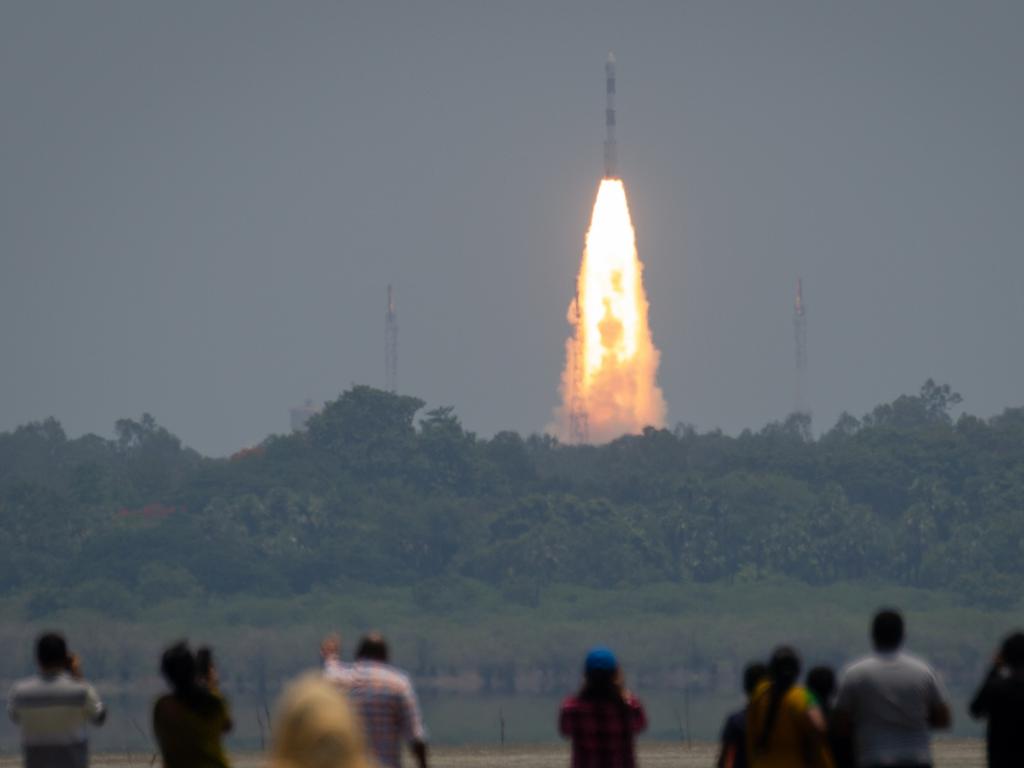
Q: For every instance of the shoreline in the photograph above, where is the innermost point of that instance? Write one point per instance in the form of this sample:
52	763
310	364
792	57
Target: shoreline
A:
948	753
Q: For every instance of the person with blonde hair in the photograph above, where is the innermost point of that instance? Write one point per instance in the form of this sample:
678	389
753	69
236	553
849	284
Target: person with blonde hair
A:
316	727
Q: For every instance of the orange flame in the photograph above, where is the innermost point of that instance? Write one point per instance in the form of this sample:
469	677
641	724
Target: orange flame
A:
609	385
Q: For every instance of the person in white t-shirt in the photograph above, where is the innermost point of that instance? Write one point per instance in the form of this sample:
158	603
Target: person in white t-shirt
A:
54	708
891	701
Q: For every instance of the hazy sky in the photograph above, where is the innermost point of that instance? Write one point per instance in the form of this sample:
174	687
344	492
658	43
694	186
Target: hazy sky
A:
202	203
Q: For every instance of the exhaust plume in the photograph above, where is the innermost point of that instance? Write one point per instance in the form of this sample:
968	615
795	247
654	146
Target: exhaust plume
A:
609	385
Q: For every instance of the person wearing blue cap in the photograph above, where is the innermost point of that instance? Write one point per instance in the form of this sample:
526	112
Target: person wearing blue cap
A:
603	718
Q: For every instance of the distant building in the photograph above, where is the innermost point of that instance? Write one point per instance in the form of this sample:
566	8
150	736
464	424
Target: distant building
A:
301	414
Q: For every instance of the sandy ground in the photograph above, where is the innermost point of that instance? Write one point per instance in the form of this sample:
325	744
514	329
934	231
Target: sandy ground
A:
948	754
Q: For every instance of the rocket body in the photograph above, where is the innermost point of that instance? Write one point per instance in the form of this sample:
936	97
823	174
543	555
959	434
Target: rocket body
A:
610	164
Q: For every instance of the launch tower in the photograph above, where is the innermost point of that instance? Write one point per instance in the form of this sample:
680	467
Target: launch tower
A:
391	345
579	425
610	164
800	338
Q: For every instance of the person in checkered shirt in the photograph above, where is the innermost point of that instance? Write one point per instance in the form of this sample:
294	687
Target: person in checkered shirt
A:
603	719
384	698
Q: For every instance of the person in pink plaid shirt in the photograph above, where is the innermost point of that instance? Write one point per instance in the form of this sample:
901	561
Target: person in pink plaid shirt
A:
383	696
602	720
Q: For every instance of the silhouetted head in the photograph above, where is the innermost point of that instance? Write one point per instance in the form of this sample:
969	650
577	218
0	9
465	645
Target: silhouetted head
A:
822	683
784	671
600	667
51	651
600	660
178	666
753	674
373	647
204	662
887	630
600	673
1013	651
784	667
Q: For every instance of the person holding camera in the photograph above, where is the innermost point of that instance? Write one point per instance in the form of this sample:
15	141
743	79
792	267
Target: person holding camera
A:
191	720
603	719
1000	700
55	708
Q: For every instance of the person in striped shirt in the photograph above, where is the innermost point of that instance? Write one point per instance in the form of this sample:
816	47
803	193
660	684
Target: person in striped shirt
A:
383	696
54	708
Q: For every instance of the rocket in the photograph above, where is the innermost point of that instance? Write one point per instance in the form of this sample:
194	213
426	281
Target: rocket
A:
610	171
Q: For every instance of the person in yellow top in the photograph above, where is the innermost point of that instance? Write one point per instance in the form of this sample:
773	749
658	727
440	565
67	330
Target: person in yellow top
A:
785	726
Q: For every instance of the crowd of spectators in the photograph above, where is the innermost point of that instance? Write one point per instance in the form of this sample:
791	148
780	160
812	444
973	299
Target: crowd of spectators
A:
878	712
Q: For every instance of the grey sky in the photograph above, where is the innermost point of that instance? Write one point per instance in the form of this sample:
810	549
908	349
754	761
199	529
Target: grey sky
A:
201	203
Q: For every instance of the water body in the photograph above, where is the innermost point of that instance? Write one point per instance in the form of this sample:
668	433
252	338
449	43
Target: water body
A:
962	753
457	721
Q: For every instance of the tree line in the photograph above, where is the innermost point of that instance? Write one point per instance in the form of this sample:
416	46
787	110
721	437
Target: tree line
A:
377	490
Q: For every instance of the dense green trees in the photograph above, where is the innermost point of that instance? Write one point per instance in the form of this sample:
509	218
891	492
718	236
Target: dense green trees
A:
906	495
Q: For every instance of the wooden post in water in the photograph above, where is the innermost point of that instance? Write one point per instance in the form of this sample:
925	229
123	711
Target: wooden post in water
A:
679	724
259	722
686	701
686	709
145	737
